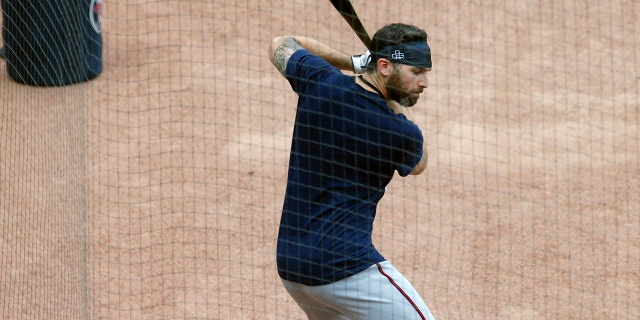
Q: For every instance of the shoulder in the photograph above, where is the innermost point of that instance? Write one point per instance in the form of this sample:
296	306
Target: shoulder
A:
308	73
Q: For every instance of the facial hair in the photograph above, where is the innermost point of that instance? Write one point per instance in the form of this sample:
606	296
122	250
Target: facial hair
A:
396	93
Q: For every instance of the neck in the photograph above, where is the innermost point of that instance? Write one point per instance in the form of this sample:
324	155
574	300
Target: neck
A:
375	80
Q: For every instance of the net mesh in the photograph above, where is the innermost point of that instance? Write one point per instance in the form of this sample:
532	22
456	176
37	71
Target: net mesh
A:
155	190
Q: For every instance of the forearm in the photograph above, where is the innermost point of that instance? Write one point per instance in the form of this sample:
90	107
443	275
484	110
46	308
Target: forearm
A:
422	165
336	58
281	49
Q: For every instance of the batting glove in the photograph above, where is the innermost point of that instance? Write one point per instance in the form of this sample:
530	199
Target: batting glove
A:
360	62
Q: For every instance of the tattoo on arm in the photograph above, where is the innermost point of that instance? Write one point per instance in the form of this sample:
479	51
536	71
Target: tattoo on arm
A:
283	53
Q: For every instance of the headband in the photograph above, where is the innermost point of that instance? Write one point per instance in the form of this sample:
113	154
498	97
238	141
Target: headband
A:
415	54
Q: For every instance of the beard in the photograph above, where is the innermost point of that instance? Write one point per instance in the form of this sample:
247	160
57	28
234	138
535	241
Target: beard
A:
394	88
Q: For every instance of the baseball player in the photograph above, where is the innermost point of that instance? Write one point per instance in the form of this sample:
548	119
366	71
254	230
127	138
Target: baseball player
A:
349	138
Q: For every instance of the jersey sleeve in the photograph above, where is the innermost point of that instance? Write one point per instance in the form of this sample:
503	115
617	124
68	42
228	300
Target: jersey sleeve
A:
409	151
305	69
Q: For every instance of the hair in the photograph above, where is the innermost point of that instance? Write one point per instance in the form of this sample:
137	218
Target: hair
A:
394	34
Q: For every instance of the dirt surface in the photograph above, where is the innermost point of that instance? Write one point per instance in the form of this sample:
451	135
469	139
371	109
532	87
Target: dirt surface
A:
154	191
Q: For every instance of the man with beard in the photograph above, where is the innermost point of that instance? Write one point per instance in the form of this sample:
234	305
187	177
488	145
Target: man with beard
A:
350	136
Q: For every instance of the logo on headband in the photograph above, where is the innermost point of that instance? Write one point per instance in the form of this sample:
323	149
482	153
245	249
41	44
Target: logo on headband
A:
415	54
397	55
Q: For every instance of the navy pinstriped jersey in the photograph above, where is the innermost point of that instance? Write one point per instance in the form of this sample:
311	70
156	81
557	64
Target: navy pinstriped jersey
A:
346	146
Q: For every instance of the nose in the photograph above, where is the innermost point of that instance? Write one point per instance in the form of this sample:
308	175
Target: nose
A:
423	82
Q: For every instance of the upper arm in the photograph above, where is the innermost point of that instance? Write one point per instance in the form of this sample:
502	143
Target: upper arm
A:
280	50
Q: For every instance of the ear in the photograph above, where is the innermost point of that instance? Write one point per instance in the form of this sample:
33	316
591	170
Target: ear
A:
384	67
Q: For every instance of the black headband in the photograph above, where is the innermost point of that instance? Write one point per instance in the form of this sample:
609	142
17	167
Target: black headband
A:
415	54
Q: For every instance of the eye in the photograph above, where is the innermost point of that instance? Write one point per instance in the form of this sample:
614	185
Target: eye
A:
419	71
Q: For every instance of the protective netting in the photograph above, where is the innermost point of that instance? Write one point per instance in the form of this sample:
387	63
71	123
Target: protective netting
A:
155	190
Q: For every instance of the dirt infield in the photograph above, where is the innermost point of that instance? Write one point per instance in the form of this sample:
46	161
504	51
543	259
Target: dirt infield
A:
154	191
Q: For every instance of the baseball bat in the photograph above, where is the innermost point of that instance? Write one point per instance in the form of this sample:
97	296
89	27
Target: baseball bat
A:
346	10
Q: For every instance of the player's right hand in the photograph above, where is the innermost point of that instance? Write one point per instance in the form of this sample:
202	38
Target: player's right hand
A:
360	62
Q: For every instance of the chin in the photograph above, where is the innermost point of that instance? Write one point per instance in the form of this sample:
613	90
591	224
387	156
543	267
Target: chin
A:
407	101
